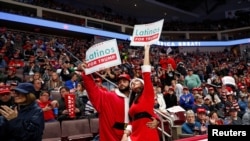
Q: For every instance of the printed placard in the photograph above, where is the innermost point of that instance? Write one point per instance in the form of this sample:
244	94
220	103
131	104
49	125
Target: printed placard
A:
70	104
146	34
102	55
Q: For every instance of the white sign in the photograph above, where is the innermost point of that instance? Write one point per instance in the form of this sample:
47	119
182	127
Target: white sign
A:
102	55
169	50
175	109
228	80
146	34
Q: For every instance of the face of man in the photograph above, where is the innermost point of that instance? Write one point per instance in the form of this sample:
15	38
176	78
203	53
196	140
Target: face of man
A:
137	86
5	97
123	85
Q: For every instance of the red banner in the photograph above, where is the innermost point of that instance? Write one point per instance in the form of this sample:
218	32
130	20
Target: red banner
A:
70	104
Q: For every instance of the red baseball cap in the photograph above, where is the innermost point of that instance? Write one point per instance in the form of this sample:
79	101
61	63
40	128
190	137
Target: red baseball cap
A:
201	110
4	89
12	68
124	76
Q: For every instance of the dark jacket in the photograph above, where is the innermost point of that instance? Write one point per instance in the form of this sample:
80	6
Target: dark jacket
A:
28	126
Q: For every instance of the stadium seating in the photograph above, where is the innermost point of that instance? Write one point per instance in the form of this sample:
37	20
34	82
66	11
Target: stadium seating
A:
76	129
94	125
52	131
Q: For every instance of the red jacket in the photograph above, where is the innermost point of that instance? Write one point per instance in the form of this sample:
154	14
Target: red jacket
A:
112	107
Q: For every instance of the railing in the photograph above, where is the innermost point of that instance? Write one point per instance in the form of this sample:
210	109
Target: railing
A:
164	118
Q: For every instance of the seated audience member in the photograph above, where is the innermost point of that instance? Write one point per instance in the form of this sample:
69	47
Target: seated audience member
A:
233	118
72	83
63	113
36	76
190	126
30	68
186	99
199	103
16	62
11	76
5	96
54	82
25	121
242	102
202	119
47	106
231	102
159	100
214	119
81	93
246	116
90	110
170	98
38	88
65	71
209	104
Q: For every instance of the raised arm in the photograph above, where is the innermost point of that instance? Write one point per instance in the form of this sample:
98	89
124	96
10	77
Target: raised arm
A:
146	55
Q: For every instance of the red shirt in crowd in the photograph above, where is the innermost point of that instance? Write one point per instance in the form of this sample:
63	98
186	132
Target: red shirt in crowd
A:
48	115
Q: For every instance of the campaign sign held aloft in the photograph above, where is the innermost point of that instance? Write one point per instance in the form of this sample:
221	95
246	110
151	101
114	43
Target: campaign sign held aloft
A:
102	55
146	34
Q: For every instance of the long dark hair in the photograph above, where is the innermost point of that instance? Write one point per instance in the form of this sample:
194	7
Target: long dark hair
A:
134	97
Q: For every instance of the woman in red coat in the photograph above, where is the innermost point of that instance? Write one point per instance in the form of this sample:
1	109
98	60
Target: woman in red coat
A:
141	106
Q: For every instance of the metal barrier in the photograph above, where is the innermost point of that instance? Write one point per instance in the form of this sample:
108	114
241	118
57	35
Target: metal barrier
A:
165	118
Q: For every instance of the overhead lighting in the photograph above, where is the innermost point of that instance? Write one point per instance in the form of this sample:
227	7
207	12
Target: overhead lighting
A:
135	5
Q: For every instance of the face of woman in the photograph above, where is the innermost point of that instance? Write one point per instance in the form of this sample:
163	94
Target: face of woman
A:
19	98
190	118
79	87
214	116
137	87
36	76
54	76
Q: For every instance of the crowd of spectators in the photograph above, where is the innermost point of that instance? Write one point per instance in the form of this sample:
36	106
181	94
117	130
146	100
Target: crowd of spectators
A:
175	25
188	80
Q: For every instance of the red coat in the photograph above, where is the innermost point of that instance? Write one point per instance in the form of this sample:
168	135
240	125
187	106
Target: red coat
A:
140	132
112	107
